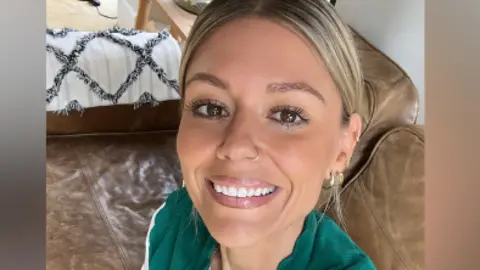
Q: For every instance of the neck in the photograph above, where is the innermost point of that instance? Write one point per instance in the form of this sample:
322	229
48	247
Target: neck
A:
265	254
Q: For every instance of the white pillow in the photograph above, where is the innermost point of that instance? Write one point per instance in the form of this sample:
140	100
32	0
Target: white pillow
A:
113	66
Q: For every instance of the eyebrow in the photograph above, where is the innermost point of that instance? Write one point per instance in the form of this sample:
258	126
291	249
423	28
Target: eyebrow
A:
208	78
281	87
295	86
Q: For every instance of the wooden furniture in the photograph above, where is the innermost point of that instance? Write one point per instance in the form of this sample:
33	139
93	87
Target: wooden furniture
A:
179	20
141	21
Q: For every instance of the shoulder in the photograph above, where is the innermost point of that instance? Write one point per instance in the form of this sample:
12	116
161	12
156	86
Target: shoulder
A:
336	249
177	206
165	224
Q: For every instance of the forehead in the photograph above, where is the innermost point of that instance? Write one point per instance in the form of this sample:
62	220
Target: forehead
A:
264	51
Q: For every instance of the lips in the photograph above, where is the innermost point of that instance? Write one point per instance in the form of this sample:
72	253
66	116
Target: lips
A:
241	192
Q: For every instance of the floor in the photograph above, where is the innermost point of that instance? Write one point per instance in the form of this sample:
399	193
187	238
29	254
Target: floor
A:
81	15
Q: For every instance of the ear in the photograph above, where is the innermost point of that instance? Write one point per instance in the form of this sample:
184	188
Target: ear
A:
348	140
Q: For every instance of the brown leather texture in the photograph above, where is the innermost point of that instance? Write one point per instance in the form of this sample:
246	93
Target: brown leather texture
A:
391	100
383	204
101	193
391	97
102	188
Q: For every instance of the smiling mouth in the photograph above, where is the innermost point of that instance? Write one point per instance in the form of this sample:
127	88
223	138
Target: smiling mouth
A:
245	194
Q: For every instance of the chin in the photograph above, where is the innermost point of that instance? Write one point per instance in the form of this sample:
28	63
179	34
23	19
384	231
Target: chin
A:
234	234
240	227
239	211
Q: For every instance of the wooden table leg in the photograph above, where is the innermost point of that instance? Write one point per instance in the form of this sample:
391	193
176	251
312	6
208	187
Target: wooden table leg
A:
141	21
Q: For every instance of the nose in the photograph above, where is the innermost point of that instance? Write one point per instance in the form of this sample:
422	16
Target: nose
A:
238	141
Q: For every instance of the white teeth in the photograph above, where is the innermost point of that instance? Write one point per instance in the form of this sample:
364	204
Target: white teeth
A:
232	192
242	192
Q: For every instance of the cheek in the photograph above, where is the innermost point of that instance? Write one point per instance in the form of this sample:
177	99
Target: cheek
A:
196	142
304	159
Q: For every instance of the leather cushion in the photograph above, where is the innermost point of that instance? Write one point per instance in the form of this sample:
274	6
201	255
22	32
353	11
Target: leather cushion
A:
390	94
101	193
391	100
383	204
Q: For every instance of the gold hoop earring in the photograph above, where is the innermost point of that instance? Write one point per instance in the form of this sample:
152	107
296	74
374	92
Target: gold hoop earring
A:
183	183
335	180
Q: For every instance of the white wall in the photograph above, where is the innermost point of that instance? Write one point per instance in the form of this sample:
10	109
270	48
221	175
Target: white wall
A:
126	10
397	28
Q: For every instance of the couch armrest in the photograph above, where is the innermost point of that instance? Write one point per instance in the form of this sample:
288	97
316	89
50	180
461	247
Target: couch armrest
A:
383	202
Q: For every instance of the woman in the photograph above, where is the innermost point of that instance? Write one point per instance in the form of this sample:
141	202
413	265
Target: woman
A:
270	92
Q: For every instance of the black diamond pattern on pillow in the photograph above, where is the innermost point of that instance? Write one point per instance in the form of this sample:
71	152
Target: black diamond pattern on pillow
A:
143	54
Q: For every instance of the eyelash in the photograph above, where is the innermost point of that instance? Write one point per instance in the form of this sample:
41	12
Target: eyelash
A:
197	104
299	112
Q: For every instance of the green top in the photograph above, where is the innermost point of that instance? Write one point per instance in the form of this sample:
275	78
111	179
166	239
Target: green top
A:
177	241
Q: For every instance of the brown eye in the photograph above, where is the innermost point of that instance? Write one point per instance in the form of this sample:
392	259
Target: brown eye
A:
289	116
213	110
286	116
210	110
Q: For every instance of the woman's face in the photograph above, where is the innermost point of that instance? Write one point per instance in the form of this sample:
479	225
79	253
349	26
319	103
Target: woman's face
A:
256	89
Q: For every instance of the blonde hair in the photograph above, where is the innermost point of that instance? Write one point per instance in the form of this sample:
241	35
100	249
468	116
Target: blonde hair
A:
315	20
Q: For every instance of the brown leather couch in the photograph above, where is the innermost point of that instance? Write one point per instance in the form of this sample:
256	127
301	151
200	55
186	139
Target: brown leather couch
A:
108	169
